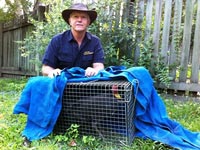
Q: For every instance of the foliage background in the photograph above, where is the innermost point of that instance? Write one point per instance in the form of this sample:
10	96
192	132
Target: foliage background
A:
12	9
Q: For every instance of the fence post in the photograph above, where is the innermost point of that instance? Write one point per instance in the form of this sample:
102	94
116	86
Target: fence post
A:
1	47
41	17
196	52
140	14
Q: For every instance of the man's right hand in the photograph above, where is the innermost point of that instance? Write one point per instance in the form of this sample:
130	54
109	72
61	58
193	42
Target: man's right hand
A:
54	73
49	71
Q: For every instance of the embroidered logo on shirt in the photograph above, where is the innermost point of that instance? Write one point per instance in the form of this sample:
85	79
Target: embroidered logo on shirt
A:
88	53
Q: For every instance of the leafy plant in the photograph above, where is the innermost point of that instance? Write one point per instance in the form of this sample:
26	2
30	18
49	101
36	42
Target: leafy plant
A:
145	58
37	40
90	141
72	131
158	69
115	32
70	137
13	9
126	62
161	72
61	138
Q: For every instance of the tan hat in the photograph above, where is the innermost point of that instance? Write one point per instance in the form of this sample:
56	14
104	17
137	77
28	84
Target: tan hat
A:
79	7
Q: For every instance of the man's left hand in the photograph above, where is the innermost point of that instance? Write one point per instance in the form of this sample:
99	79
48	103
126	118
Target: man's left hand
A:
90	72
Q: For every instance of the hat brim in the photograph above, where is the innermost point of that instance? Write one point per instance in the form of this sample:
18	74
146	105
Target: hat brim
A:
66	14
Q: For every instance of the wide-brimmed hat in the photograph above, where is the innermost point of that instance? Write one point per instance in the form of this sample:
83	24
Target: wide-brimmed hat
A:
79	7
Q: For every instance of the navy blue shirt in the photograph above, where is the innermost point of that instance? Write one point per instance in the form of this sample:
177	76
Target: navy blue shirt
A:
63	51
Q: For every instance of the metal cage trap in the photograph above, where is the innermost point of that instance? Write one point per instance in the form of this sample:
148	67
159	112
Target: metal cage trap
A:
103	108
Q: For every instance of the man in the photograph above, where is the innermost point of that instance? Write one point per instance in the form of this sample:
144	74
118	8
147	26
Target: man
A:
75	47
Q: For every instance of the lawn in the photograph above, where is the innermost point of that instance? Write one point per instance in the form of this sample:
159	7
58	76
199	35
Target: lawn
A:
11	126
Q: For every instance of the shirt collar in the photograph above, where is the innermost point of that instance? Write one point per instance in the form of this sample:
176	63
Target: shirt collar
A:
70	36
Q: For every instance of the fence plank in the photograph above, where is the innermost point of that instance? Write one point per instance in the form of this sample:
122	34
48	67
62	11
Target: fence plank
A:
192	87
1	47
156	32
196	51
5	45
11	61
186	40
149	9
10	50
175	43
17	37
166	29
140	14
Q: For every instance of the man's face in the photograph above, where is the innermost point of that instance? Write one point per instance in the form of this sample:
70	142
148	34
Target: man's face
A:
79	21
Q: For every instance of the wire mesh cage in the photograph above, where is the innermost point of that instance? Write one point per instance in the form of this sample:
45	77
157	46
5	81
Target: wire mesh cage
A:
103	108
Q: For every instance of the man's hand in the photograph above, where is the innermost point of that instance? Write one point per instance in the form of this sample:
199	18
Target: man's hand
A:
54	73
90	72
49	71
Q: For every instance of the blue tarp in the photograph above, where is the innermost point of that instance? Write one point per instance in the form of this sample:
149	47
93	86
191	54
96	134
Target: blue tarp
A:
41	100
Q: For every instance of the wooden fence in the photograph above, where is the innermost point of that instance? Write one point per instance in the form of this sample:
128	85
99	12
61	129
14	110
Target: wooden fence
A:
174	26
176	36
12	64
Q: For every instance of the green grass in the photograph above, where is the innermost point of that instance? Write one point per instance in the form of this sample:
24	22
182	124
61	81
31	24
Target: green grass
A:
11	126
